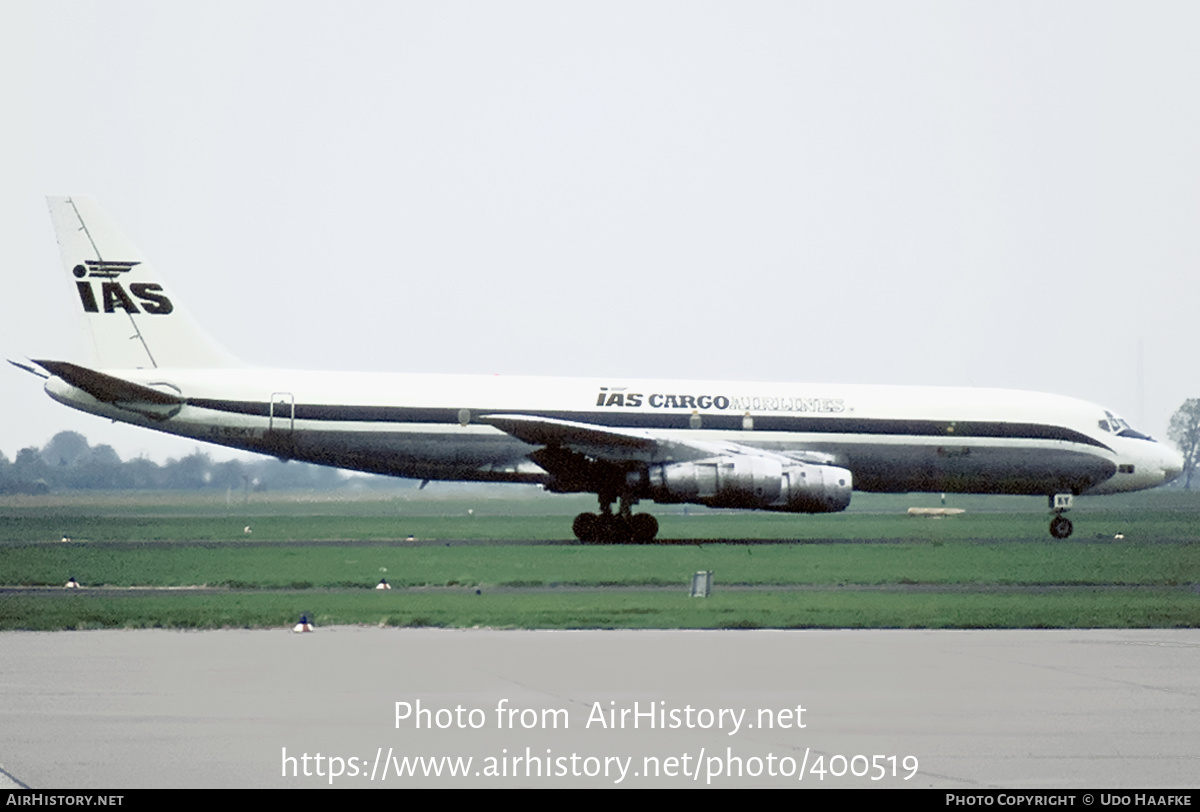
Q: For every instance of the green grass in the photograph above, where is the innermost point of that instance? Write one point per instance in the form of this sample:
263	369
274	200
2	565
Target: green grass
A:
1148	516
271	566
995	566
1072	608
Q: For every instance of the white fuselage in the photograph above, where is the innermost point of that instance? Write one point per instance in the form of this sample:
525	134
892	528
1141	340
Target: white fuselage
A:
892	438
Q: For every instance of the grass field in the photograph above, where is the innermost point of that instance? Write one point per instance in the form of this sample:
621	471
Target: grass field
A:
994	566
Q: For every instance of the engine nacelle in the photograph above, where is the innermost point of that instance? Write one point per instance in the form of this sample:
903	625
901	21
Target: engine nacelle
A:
816	489
746	481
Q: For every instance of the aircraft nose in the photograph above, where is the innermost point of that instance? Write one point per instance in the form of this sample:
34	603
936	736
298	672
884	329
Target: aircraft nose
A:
1172	465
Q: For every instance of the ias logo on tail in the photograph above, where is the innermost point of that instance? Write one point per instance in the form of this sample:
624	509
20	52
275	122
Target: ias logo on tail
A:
112	294
94	268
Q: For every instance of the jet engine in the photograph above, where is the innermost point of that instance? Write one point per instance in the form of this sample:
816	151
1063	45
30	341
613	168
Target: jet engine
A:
745	481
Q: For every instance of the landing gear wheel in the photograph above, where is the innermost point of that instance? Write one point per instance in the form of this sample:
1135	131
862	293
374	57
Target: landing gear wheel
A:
613	529
586	527
1060	527
601	528
643	528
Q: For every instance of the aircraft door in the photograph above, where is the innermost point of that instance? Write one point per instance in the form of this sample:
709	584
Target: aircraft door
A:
281	416
280	438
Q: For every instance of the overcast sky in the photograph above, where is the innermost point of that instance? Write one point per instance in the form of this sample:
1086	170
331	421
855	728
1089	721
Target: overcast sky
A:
966	194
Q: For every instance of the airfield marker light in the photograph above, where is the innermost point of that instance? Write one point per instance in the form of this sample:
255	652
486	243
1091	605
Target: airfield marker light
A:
303	625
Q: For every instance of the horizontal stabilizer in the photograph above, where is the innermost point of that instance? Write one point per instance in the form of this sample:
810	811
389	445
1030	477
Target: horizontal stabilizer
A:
106	388
28	368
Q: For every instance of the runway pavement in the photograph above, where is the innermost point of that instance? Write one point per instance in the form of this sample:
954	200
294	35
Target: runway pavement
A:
945	709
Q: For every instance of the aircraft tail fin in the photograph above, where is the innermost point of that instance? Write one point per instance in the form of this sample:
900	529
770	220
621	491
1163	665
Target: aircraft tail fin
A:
133	320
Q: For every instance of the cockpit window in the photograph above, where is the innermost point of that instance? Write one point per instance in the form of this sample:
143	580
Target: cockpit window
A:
1137	435
1118	426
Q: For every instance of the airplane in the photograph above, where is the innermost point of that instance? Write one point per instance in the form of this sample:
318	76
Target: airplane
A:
800	448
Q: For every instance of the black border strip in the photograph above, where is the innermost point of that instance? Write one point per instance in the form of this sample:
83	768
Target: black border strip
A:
950	431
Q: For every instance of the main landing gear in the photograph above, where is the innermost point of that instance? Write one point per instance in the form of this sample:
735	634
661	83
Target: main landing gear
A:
1060	525
621	527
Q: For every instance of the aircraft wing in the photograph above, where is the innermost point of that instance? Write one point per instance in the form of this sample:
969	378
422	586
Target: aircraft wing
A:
626	445
598	442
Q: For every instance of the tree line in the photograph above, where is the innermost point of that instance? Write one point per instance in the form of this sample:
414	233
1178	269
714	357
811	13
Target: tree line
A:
1184	432
69	462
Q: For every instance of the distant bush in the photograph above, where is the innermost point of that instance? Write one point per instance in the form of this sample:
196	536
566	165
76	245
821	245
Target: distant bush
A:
69	462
